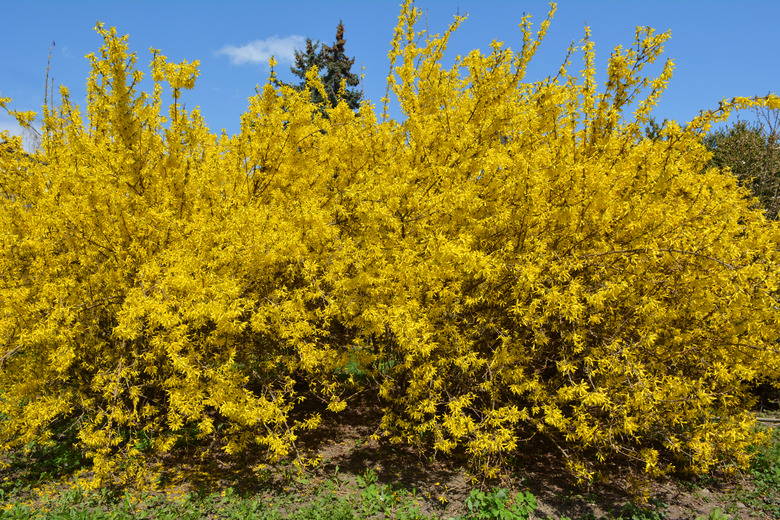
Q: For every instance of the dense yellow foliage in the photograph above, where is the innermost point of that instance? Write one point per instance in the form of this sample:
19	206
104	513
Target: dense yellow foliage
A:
512	258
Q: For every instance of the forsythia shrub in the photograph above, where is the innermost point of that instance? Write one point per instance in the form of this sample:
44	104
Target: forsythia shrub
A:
510	259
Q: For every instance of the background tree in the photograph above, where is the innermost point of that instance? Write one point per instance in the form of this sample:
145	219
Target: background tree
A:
653	129
334	67
751	151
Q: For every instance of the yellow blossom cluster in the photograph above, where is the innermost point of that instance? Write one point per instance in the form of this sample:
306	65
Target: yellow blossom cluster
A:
511	258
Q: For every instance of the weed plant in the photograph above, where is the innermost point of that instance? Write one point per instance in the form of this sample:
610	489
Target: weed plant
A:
764	494
35	487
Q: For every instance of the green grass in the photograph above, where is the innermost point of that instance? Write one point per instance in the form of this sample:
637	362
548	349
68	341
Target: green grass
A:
764	493
37	490
332	499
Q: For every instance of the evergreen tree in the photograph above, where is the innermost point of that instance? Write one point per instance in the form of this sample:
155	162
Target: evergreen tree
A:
334	67
305	60
653	129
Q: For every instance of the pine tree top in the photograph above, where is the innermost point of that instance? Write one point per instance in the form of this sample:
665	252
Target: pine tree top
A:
334	66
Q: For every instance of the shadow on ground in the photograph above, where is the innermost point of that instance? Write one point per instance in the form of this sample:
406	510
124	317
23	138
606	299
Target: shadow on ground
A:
344	443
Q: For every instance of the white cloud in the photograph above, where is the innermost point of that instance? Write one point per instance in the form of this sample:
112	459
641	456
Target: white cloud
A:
259	51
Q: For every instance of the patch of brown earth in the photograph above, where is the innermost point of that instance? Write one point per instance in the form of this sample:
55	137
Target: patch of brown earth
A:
344	443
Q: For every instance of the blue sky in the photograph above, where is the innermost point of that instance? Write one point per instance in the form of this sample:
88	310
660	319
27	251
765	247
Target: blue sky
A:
720	48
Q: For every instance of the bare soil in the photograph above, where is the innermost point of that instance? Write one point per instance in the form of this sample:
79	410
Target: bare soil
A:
346	448
344	443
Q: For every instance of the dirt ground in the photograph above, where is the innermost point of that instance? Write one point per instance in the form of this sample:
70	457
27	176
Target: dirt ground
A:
345	445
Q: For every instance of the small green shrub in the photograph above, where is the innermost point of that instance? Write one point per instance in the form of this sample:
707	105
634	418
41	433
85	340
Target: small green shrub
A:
500	505
715	514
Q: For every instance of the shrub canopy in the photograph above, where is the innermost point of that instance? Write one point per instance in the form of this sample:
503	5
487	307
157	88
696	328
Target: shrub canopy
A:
511	258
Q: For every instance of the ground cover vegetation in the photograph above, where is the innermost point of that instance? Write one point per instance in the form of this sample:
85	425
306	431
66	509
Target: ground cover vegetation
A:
511	261
371	489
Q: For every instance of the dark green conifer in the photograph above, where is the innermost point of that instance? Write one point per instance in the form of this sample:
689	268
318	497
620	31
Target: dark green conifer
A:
334	67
